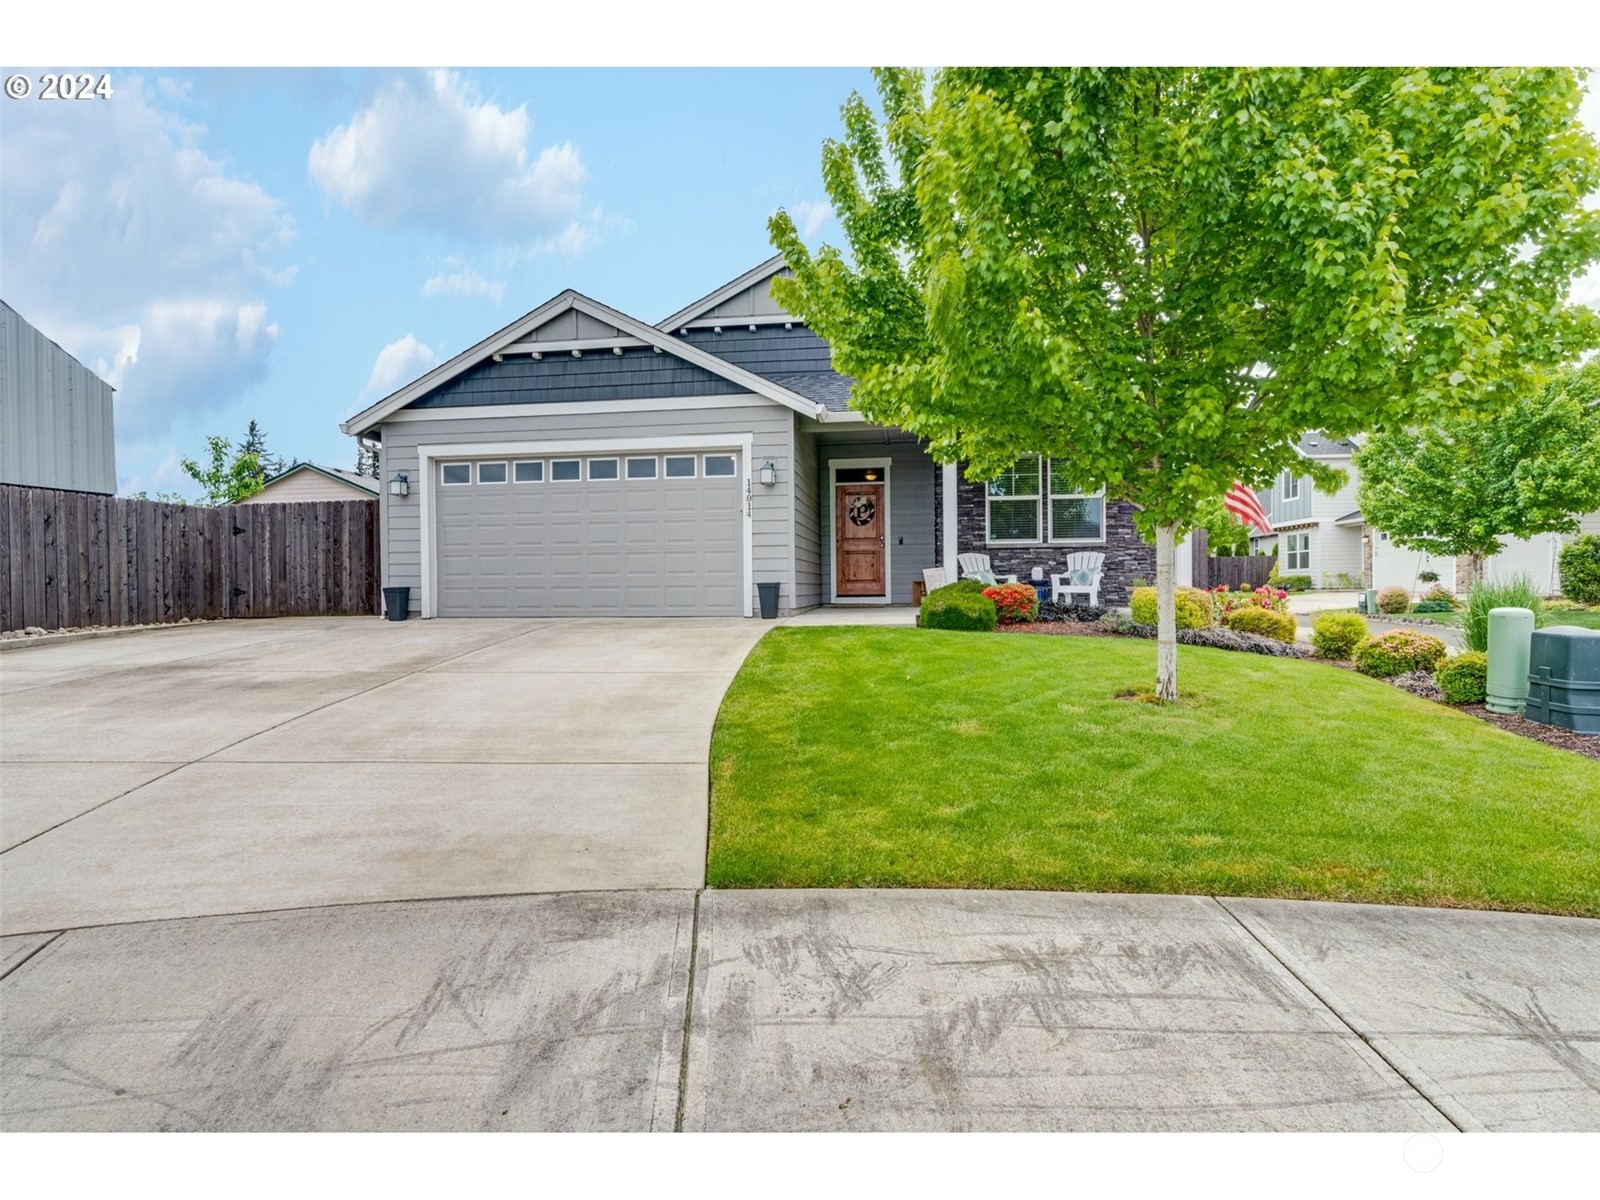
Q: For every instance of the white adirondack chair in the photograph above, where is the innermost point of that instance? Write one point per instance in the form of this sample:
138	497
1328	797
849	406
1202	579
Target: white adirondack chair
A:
1081	578
977	566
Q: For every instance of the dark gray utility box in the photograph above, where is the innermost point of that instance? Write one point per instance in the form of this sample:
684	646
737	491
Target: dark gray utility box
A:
1564	679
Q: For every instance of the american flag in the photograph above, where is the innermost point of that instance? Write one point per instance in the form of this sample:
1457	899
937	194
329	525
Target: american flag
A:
1242	503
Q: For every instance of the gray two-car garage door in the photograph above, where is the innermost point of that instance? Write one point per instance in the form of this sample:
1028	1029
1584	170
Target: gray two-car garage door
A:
593	535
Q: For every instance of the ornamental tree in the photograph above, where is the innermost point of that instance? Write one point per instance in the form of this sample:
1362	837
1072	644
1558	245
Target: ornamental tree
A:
1163	277
1458	485
230	476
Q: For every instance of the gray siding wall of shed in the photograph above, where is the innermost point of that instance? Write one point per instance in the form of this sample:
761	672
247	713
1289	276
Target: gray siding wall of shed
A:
911	508
771	424
56	424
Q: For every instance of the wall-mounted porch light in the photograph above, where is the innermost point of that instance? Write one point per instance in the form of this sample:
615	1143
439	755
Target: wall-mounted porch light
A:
769	474
399	485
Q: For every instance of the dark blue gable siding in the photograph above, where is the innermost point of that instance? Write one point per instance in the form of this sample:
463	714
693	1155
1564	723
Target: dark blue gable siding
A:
769	350
638	373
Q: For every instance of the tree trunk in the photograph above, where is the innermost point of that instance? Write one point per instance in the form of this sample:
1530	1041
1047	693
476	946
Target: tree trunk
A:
1166	615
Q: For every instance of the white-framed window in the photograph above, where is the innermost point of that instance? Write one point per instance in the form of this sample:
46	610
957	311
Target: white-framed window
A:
1013	503
566	470
1291	486
1296	552
720	466
680	466
1075	515
528	472
602	468
642	468
454	474
491	472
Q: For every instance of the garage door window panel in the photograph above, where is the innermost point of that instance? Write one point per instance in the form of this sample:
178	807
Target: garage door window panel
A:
602	468
680	466
720	466
641	468
491	472
528	472
455	474
566	470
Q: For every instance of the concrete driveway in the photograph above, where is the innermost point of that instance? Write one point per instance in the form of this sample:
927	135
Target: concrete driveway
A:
257	765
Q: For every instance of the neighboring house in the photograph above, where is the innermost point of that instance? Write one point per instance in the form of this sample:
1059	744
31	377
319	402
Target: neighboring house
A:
580	461
56	427
307	481
1327	538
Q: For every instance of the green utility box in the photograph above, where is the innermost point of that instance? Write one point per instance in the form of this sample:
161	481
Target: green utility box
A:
1564	679
1509	632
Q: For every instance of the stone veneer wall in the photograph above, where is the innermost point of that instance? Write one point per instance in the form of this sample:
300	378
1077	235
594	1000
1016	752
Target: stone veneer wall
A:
1128	556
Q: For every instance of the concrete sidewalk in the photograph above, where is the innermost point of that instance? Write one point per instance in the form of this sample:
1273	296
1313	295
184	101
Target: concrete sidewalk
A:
871	1010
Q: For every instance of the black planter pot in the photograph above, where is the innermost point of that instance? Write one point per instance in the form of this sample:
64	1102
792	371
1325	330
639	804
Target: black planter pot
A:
768	592
397	603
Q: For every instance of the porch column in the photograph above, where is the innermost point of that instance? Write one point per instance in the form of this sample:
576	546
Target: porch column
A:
947	497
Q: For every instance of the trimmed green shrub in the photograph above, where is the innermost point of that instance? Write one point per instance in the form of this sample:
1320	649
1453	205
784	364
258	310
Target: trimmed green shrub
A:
1580	569
1394	600
1439	592
1294	583
1262	621
1396	652
1432	606
1464	679
1195	608
971	587
1336	634
1516	592
957	608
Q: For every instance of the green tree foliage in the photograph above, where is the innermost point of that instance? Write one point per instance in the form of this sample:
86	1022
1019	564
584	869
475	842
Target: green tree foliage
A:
367	462
1457	485
255	442
1163	277
230	476
1225	533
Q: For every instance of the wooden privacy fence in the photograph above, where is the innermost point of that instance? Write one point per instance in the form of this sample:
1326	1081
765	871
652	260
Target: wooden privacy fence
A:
1238	571
75	559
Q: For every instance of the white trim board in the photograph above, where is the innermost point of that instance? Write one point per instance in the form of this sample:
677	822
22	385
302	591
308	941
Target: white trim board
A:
427	456
888	532
576	408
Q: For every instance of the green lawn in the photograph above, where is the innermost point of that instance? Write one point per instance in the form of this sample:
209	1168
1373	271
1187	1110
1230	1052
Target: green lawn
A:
861	757
1587	620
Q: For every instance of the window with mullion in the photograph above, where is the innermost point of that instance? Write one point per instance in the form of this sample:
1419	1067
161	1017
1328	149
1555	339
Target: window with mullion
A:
1075	515
1013	501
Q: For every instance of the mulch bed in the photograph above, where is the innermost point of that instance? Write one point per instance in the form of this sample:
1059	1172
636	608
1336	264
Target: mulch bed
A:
1587	745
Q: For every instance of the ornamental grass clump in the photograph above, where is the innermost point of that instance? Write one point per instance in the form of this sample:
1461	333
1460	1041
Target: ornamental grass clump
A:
1262	621
1195	607
1336	635
1398	652
1516	592
1464	679
1014	603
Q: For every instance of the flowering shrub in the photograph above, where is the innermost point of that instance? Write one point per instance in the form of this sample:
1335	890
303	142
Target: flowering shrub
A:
1266	596
1013	602
1397	652
1394	600
1438	593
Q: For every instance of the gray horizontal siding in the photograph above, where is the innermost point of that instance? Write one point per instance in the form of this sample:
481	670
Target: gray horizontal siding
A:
770	424
807	521
638	373
768	348
56	428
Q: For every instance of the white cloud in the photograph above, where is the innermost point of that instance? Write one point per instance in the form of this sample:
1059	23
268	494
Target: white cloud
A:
583	234
398	364
462	279
810	216
428	151
140	253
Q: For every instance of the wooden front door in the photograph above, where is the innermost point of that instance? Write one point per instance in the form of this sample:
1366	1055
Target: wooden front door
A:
858	539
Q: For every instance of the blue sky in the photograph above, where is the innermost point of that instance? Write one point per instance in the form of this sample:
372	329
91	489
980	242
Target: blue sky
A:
289	245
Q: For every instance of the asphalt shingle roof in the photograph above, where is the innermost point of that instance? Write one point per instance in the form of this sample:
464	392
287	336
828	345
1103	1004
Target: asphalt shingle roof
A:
828	388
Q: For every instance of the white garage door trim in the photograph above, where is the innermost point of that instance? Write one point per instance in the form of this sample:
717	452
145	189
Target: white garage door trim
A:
427	455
